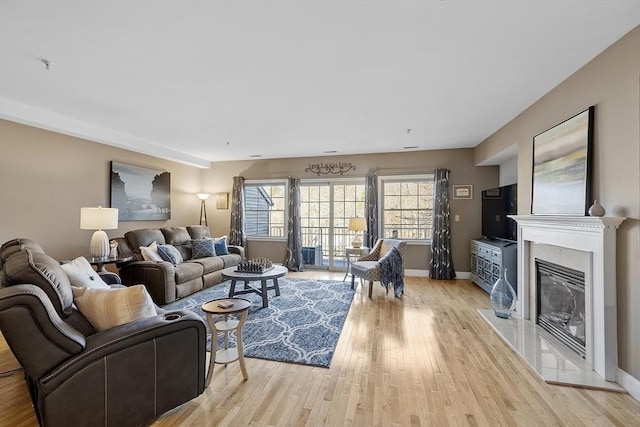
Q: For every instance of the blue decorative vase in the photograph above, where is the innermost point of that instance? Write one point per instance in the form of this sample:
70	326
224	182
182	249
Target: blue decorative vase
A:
503	297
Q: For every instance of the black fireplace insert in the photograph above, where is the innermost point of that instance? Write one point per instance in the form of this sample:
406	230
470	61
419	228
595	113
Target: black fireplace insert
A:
561	304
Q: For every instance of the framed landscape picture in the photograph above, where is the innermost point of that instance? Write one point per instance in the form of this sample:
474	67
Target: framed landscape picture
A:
140	194
562	167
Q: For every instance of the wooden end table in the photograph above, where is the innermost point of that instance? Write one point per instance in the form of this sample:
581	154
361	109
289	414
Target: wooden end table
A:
240	306
273	275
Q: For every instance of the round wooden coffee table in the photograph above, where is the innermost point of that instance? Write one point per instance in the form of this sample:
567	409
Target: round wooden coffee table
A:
273	275
226	307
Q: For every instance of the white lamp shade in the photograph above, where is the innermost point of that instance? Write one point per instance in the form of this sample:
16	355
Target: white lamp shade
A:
203	196
98	218
357	224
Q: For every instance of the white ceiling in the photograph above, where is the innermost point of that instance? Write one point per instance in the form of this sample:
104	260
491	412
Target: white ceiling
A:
202	81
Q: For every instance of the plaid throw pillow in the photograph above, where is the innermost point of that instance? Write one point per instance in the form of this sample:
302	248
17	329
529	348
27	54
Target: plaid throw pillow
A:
108	308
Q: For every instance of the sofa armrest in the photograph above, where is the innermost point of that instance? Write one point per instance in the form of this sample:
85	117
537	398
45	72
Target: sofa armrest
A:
103	344
35	332
157	276
236	250
110	278
128	375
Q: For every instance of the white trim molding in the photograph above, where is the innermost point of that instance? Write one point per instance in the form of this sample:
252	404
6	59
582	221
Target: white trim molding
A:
630	383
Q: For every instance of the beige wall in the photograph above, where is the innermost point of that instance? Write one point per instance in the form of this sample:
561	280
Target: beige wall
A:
611	83
460	162
46	177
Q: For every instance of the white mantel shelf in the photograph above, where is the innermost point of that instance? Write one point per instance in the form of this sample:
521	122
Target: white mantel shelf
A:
597	237
569	221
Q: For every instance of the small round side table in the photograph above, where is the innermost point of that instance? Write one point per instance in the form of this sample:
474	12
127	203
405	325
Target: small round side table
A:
226	307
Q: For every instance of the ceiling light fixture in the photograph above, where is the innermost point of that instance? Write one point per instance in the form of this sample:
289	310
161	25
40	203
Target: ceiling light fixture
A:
410	147
47	63
331	151
255	155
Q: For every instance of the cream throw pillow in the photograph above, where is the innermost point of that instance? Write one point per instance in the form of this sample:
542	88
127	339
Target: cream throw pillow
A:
150	253
81	274
107	308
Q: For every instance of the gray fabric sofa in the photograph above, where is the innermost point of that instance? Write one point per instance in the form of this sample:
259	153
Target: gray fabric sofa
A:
123	376
165	281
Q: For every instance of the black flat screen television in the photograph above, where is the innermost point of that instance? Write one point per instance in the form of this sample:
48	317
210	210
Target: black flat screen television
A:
497	203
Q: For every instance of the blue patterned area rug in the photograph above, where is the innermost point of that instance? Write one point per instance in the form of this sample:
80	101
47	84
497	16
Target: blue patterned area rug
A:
302	325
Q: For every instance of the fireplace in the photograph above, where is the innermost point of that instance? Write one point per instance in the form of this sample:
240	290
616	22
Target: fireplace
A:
590	243
561	304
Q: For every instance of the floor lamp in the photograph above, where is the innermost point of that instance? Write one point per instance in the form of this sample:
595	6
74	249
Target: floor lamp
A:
203	208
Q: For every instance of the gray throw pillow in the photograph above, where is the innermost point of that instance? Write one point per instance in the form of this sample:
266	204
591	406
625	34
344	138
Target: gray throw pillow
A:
170	253
201	248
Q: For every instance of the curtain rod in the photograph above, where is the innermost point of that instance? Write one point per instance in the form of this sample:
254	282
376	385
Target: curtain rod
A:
400	171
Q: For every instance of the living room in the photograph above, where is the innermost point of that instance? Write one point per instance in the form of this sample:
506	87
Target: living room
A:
47	176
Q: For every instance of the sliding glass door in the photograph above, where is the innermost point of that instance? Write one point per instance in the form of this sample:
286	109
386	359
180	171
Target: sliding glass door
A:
325	209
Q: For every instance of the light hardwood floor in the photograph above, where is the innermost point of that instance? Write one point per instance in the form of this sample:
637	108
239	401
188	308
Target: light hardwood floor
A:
428	359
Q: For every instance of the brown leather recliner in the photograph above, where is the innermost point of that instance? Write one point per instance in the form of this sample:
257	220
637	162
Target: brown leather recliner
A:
124	376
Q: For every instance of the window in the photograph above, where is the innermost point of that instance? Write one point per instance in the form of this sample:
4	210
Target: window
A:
264	208
406	204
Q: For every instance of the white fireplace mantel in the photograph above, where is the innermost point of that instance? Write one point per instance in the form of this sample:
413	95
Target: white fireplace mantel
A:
597	237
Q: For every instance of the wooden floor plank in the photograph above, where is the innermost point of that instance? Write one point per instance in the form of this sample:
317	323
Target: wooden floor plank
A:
427	359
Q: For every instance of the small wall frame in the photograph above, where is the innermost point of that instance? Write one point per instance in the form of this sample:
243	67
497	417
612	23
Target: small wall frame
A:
463	192
222	200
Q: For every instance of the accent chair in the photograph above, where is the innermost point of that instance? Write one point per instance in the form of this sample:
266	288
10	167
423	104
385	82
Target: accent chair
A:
368	267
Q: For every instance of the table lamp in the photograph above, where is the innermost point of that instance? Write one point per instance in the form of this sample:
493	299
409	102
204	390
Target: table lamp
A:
357	224
99	219
203	207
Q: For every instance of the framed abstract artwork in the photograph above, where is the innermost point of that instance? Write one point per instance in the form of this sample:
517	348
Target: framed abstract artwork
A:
140	194
562	167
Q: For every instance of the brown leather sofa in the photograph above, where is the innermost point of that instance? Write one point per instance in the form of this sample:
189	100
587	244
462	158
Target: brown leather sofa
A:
165	281
123	376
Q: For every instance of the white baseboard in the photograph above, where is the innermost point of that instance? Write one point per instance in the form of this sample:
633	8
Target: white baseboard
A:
416	273
630	383
425	273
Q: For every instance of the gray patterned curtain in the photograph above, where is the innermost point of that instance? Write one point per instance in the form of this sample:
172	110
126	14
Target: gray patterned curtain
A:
371	207
237	236
293	260
441	266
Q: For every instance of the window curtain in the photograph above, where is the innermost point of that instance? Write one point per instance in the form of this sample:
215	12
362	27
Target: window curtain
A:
371	210
441	266
237	236
294	261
